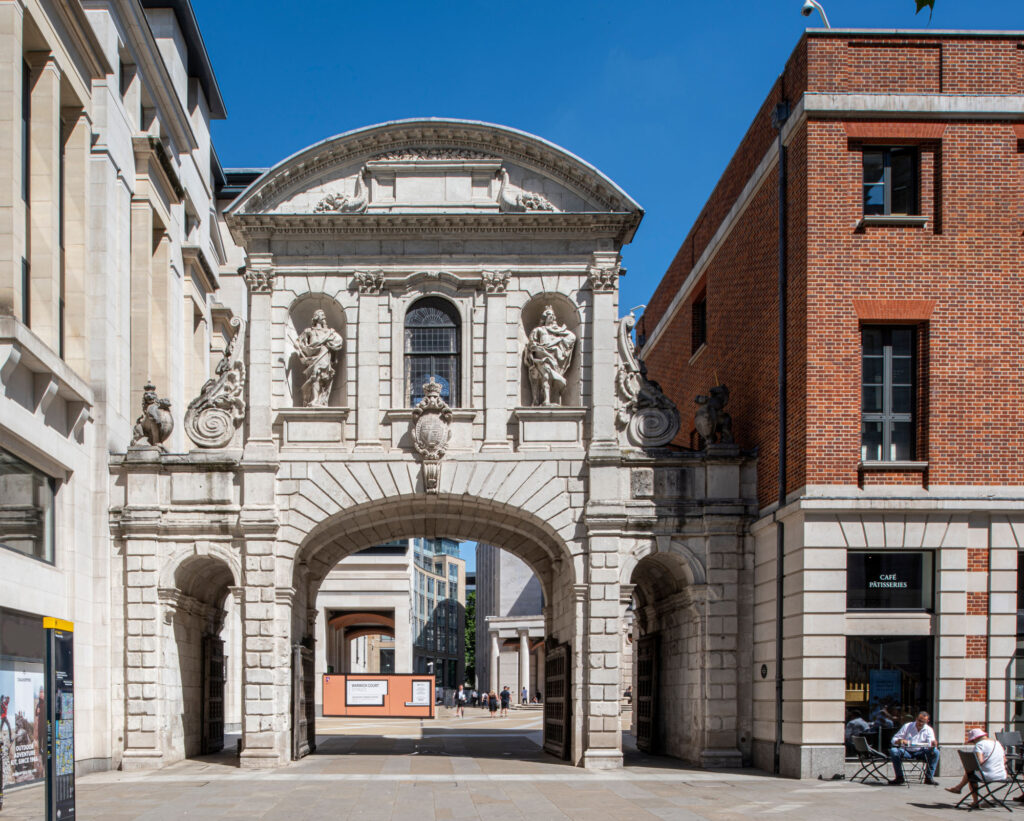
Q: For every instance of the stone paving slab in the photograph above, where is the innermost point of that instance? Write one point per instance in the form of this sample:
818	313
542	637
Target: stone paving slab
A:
448	771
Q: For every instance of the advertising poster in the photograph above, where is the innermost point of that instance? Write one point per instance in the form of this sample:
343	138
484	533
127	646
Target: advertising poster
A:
26	720
885	685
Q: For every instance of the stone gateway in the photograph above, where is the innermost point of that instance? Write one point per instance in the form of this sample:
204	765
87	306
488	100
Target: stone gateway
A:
449	290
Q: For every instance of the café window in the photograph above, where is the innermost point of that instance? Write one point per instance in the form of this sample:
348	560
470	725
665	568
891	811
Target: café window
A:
889	680
889	580
26	508
887	393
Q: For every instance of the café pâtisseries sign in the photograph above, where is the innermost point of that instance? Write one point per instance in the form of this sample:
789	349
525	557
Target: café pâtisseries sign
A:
888	580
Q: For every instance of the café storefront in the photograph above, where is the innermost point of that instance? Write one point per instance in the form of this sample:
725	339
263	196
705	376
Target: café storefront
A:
890	672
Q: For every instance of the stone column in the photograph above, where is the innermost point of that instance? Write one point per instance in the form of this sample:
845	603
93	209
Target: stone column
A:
368	362
76	237
44	199
496	362
524	664
12	210
494	662
604	280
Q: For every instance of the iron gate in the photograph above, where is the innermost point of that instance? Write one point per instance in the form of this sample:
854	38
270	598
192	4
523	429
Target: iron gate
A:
303	702
558	701
213	695
646	701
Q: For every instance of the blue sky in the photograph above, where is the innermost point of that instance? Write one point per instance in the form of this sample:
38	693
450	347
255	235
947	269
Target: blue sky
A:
655	94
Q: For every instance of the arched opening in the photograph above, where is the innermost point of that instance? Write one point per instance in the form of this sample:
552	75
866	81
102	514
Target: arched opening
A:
433	349
414	526
199	614
667	677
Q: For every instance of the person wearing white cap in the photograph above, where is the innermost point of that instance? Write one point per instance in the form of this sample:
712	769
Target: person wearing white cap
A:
991	763
915	740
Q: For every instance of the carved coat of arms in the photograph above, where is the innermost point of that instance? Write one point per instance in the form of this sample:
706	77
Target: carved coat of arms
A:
431	432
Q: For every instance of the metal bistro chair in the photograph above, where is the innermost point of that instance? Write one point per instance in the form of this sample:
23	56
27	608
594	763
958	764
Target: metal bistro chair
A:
1013	744
988	791
872	762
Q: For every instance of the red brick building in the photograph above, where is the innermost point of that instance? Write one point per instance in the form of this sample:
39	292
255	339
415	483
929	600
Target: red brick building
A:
898	340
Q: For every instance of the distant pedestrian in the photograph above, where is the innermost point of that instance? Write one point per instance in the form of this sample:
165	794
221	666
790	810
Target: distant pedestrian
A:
506	699
460	702
524	697
492	702
474	697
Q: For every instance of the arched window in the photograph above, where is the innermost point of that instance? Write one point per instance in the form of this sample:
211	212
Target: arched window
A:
432	349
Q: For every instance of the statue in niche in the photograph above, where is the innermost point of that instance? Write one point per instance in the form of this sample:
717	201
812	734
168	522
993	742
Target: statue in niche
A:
317	347
712	422
548	353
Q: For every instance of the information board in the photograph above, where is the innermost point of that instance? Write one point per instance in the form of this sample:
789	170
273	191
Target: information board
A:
366	692
421	693
60	710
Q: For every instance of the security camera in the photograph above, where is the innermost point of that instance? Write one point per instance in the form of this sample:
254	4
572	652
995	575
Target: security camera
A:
808	9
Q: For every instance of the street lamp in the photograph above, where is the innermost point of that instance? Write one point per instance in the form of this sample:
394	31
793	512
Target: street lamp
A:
809	8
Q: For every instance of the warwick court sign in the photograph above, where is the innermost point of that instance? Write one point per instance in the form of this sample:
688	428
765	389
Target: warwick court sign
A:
430	345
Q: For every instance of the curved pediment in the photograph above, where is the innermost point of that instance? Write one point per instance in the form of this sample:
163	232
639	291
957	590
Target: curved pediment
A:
433	167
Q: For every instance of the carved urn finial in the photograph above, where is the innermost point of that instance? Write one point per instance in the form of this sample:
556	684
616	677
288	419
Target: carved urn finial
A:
431	432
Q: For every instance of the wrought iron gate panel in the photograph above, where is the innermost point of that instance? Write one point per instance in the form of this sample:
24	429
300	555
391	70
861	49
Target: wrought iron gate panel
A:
303	702
646	701
213	695
558	701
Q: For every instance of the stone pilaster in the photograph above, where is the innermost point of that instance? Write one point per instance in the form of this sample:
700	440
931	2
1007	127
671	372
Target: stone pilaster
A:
12	209
78	128
604	282
259	278
496	362
369	284
603	736
44	198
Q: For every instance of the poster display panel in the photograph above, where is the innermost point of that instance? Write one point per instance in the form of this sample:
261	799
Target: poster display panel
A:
22	722
395	695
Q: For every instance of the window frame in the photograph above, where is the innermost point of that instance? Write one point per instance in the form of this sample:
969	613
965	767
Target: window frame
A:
455	358
698	322
48	553
887	152
887	417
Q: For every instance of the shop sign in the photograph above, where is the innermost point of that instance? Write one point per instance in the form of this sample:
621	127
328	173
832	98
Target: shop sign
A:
890	580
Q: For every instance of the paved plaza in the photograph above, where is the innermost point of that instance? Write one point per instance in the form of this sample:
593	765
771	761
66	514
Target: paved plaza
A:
468	768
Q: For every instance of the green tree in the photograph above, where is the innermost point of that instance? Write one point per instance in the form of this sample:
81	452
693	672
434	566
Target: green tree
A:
470	641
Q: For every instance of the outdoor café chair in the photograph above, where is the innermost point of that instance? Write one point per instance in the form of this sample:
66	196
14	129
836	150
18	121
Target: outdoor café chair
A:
988	791
872	762
1013	744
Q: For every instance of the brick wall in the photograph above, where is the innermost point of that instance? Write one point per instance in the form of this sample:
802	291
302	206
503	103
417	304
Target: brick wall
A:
957	279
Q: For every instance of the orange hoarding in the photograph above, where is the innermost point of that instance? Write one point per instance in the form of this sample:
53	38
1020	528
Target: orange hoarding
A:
369	694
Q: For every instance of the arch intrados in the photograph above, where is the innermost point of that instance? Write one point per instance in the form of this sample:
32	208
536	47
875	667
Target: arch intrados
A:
362	618
352	635
203	577
464	518
658	576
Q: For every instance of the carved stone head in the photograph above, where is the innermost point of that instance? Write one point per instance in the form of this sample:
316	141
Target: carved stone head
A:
319	318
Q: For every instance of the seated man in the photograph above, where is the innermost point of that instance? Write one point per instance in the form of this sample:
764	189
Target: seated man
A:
915	740
991	764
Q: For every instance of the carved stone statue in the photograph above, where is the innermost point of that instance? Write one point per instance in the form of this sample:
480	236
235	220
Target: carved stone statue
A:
431	432
317	347
649	417
548	354
711	421
214	415
155	424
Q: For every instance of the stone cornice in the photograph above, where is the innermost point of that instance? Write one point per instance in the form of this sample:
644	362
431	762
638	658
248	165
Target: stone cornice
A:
618	225
465	135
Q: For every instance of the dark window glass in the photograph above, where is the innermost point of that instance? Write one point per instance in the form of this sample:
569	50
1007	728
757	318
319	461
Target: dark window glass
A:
699	335
890	181
26	508
26	300
889	680
889	580
887	393
432	349
26	118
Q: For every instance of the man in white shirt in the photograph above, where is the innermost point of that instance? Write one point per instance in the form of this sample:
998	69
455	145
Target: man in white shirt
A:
915	740
991	764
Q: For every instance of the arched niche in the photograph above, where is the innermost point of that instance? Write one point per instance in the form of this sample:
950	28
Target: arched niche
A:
529	319
300	317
